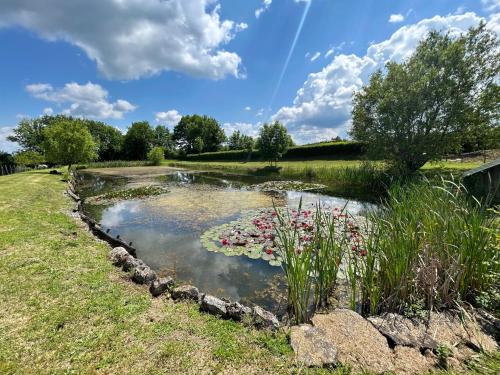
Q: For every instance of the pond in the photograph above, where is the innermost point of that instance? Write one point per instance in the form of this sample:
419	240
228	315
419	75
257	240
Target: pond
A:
167	229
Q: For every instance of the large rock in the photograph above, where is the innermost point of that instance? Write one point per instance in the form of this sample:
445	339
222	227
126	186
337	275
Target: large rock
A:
160	286
409	360
131	263
186	292
213	305
404	331
311	347
143	275
264	319
440	329
237	311
358	343
118	256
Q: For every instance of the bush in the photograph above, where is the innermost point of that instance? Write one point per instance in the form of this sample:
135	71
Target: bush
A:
156	155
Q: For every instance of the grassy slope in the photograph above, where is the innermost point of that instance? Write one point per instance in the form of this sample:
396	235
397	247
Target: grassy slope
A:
65	308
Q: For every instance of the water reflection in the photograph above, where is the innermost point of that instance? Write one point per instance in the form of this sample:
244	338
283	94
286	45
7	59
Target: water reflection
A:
166	230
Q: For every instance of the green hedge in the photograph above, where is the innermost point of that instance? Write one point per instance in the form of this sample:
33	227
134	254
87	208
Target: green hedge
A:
326	150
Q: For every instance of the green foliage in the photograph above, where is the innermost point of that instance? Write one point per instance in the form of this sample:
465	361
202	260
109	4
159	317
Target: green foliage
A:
138	141
445	94
156	155
430	245
163	138
273	141
325	150
192	127
28	158
6	158
31	136
238	141
198	144
67	142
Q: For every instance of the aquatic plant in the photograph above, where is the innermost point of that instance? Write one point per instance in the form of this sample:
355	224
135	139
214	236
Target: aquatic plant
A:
140	192
432	245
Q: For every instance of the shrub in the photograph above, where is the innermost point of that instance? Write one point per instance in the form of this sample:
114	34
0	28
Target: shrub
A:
156	155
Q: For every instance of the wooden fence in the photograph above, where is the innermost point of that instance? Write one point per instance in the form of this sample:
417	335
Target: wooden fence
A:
6	169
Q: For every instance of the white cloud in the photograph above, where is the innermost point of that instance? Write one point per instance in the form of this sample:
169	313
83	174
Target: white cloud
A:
315	56
395	18
248	108
48	111
170	118
334	49
5	145
491	5
265	6
325	100
260	112
88	100
135	38
243	127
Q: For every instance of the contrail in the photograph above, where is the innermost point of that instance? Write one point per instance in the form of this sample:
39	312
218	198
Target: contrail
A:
292	48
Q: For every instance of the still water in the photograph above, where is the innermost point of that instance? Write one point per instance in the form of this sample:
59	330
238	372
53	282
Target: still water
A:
166	229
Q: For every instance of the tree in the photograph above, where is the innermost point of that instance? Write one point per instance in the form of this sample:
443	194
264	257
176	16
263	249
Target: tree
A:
156	155
138	141
6	158
427	106
238	141
163	138
29	134
67	142
273	141
28	158
198	145
191	127
108	139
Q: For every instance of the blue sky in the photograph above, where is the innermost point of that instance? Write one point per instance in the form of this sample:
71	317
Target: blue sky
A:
121	61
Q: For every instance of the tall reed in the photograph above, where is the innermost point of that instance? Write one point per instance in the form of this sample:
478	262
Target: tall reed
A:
429	245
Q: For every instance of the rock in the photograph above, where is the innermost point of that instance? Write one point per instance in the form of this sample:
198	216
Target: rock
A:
118	256
161	286
488	323
143	275
311	347
410	361
186	292
359	344
404	331
213	305
264	319
131	263
237	311
442	328
55	171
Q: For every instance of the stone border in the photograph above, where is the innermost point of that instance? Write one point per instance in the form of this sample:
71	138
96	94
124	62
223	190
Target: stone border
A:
123	255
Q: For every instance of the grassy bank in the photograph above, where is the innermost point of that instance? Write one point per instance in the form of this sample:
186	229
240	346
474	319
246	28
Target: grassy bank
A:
66	309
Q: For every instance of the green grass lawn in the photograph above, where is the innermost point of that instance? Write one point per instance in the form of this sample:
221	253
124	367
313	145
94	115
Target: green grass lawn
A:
65	309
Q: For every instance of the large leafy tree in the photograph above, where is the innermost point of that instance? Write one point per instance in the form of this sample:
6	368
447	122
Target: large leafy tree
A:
163	138
30	134
239	141
432	103
138	141
28	158
192	127
273	141
67	142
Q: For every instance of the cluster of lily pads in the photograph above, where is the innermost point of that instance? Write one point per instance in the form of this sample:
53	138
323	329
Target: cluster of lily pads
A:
288	185
139	192
254	235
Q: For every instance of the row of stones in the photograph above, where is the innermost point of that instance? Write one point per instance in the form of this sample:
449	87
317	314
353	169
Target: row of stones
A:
143	274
